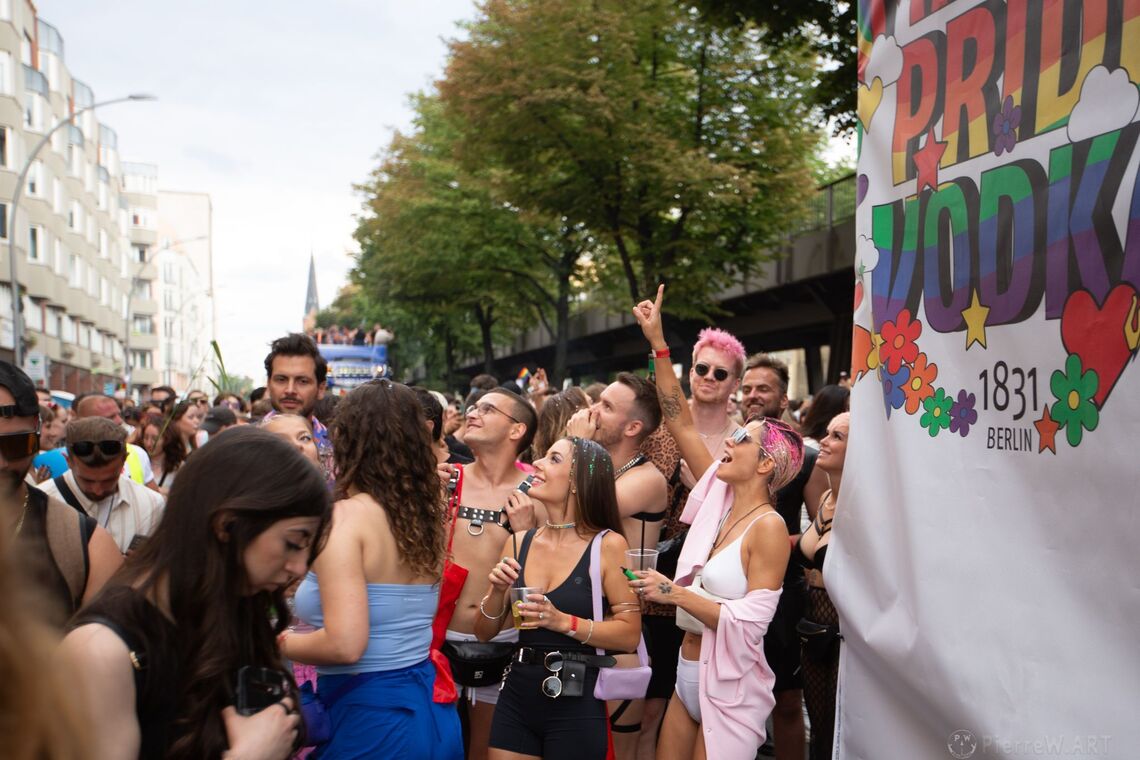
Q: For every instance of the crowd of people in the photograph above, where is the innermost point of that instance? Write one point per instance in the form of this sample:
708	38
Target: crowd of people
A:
609	571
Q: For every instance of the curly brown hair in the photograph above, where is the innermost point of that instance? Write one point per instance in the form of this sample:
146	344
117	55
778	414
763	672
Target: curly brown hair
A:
382	447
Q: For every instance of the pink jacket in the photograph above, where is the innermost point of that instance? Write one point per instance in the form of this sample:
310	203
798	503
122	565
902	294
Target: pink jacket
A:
735	680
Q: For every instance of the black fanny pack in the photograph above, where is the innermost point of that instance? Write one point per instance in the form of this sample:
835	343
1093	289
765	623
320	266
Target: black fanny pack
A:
820	642
478	663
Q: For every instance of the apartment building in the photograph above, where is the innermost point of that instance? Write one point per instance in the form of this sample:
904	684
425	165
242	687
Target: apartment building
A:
86	236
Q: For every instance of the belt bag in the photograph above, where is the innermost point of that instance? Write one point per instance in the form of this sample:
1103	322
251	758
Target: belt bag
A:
478	663
615	682
820	642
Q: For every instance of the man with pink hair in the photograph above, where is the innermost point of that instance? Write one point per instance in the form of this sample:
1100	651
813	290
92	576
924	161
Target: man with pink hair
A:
718	364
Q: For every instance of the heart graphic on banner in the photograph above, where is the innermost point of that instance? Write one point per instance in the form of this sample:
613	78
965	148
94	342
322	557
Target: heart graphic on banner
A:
1104	337
869	99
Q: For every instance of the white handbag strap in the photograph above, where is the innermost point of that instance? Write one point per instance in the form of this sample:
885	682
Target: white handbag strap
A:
596	587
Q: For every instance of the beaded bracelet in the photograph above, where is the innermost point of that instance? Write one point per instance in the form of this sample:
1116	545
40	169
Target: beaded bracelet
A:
484	611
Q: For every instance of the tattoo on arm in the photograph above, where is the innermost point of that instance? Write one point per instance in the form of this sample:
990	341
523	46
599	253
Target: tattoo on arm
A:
665	588
671	404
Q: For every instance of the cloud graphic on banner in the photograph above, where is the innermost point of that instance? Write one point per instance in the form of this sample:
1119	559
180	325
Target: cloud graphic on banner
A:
1109	101
866	255
886	61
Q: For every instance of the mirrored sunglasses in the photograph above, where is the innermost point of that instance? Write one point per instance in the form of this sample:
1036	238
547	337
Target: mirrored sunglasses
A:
19	445
87	448
720	374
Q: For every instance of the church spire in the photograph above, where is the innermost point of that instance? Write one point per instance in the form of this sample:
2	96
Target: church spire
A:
312	305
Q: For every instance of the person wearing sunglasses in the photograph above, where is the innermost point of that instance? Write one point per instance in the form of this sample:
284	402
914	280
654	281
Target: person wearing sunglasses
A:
69	555
729	575
96	485
547	707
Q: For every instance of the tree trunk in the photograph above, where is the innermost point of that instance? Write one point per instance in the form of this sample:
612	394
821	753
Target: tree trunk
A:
486	320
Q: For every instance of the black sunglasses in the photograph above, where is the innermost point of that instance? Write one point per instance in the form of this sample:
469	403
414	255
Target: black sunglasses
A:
19	445
552	684
720	374
87	448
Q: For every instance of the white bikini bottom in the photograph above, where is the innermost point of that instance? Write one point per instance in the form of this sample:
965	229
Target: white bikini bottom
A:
689	686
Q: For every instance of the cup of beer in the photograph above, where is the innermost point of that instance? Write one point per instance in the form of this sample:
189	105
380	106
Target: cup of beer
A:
519	595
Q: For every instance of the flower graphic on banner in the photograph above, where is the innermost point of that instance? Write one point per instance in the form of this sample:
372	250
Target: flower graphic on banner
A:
1005	126
894	395
1074	391
919	386
936	418
963	414
899	345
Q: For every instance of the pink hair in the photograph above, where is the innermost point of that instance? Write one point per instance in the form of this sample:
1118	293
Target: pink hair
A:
725	342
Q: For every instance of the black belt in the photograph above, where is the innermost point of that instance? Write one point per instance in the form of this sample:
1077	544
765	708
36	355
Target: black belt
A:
532	656
479	517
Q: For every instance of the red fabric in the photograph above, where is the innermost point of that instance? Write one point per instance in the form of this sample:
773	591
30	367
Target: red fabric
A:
454	576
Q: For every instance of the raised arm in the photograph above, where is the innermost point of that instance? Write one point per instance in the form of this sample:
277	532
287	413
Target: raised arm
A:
674	408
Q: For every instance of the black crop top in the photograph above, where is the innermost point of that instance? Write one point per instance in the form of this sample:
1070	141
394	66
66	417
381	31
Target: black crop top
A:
822	528
573	597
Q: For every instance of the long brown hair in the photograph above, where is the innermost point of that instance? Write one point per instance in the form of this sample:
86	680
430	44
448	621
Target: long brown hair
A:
170	444
592	479
382	447
246	479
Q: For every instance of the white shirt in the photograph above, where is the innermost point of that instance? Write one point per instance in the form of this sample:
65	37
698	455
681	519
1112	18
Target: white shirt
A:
134	510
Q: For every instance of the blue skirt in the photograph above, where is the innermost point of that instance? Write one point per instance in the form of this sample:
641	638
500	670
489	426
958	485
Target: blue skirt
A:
392	715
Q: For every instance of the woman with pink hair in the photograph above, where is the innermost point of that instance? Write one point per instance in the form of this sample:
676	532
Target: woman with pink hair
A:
729	576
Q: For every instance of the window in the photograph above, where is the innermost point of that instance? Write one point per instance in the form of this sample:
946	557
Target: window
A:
33	112
4	135
168	327
52	325
33	314
5	72
69	332
104	246
104	292
168	298
3	221
75	216
84	335
140	254
144	324
141	359
142	289
35	179
58	259
35	241
57	204
74	271
169	273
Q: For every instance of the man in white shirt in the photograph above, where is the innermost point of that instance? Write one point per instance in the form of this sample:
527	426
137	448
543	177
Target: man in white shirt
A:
96	485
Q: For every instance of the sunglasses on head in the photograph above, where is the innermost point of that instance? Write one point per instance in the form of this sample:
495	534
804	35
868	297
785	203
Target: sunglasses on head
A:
19	445
84	449
740	435
720	374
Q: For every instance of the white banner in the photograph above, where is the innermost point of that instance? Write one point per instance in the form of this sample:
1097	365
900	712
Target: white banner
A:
983	561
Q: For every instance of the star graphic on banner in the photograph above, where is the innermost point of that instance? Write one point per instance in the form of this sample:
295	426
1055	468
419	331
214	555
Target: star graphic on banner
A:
926	161
1047	429
975	317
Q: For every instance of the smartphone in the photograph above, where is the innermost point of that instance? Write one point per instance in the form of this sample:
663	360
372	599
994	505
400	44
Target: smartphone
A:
258	688
136	542
526	484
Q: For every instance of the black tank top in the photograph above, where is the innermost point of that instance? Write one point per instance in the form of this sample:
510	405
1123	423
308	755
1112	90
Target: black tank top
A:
150	636
573	597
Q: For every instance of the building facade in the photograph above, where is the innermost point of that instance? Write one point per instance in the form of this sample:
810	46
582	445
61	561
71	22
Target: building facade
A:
86	234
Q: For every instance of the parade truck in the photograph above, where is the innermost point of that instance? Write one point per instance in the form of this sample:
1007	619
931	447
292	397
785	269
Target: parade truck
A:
350	366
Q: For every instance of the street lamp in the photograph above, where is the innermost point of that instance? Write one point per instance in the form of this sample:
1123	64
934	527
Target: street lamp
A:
135	280
17	327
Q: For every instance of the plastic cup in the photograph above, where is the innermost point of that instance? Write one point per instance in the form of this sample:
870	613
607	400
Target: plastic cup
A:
518	596
641	559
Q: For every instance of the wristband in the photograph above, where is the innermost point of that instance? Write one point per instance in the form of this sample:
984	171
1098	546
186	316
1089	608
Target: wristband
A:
573	625
660	353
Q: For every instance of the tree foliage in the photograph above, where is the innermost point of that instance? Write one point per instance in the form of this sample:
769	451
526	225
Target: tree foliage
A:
667	136
828	25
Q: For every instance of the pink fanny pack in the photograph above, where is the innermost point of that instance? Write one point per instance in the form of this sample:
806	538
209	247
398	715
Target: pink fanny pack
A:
616	682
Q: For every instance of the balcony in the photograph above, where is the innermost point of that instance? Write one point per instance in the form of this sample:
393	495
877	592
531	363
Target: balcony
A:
82	94
108	137
35	81
50	39
75	136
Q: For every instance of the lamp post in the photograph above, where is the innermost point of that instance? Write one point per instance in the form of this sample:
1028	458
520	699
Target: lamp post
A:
17	327
135	280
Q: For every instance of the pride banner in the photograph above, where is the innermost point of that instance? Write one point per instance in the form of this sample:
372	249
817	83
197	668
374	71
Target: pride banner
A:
983	562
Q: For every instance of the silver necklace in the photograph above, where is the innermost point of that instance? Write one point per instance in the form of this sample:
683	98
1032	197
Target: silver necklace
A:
721	434
637	459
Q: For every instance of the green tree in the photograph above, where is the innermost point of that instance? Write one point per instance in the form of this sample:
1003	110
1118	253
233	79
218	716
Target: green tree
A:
682	146
828	26
437	241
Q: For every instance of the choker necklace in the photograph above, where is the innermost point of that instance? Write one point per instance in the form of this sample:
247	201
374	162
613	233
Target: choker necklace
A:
637	459
560	526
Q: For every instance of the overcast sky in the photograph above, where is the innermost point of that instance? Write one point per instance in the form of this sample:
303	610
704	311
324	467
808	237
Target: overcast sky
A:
273	108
